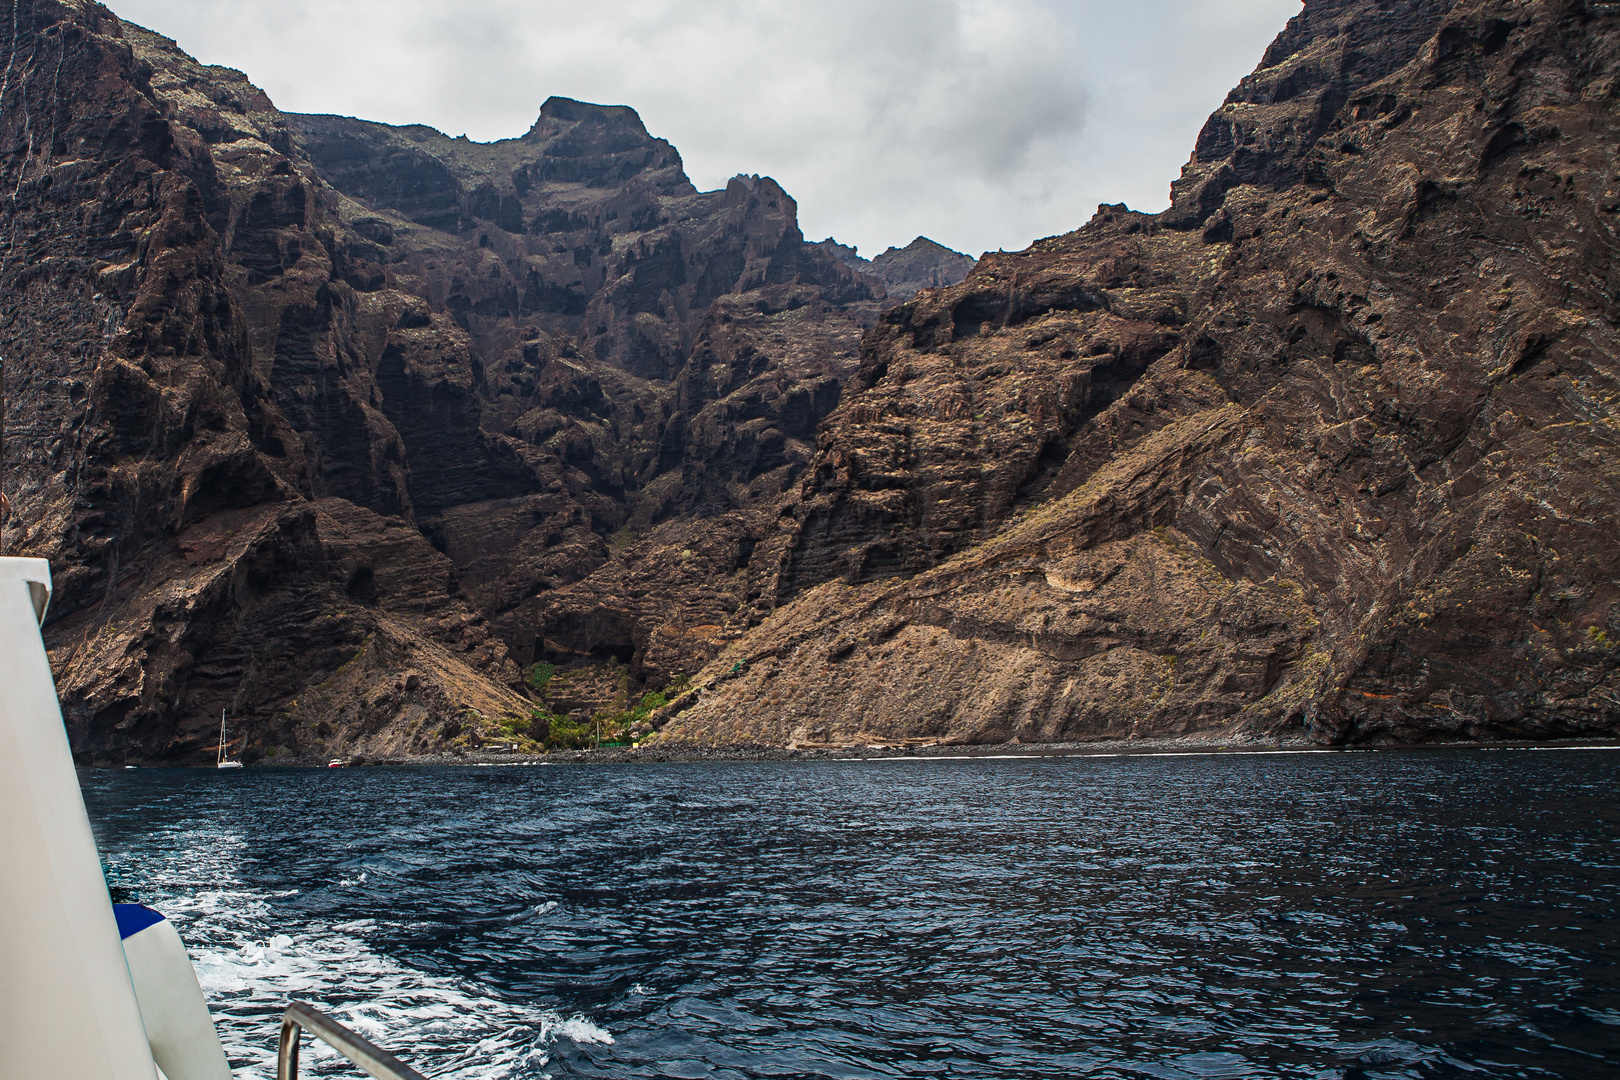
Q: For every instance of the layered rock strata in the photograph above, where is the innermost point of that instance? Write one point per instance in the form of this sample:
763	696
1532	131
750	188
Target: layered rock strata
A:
1325	449
340	427
318	421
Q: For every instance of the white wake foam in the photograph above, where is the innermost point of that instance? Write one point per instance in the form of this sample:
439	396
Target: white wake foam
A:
446	1027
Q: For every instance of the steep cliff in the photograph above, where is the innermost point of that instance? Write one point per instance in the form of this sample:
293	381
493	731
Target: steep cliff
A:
1327	448
314	416
652	353
344	427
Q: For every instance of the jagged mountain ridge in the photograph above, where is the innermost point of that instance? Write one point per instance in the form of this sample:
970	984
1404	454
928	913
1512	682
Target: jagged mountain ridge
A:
921	264
585	225
341	426
1325	450
343	455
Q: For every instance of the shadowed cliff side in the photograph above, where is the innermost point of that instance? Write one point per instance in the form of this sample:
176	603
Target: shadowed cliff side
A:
655	354
299	405
1327	448
921	264
170	294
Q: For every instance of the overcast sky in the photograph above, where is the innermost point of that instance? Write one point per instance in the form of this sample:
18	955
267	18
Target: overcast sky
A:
983	124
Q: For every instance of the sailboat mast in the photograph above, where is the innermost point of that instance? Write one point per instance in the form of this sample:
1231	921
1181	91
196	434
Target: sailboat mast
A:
221	755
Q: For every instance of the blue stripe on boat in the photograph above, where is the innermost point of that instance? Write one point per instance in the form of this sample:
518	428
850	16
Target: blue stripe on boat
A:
133	918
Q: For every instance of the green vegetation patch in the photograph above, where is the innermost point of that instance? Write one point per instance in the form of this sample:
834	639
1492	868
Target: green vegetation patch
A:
540	677
615	726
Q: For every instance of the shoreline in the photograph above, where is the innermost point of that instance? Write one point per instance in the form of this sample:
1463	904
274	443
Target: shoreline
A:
674	754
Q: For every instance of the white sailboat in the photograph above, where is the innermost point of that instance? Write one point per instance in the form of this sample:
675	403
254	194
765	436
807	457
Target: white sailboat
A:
222	761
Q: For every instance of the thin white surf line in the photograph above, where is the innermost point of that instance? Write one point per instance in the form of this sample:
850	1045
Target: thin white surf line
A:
1206	753
1107	754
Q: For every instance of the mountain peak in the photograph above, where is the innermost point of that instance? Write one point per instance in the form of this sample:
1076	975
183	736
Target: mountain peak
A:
921	264
557	111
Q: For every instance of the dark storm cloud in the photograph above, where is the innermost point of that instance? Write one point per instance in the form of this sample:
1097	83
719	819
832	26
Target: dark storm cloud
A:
981	123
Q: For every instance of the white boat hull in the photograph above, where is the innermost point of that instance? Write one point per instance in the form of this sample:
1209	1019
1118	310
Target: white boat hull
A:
178	1027
67	1005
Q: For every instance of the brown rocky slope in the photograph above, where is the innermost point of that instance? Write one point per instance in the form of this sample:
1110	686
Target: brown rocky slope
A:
341	427
337	427
1328	448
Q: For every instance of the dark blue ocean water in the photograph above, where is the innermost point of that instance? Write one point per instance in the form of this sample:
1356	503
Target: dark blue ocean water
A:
1423	914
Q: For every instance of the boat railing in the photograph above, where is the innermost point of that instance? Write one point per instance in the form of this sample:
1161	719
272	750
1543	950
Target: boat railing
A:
370	1057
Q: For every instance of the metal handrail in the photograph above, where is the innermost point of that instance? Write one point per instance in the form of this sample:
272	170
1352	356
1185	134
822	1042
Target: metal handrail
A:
369	1056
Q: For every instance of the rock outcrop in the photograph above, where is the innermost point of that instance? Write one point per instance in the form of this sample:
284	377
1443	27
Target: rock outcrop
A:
1325	449
315	418
921	264
342	428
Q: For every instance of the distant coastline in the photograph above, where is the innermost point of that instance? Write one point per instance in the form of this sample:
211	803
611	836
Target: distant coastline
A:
683	754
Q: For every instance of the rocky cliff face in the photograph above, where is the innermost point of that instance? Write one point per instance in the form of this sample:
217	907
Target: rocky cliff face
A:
1327	448
341	427
334	425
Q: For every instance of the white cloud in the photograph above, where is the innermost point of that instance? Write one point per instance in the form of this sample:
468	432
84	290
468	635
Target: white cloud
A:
980	123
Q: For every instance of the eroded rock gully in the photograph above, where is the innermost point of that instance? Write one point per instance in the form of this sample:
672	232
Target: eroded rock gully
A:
341	426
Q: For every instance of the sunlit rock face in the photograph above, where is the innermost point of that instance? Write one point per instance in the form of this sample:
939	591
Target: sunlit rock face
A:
1325	449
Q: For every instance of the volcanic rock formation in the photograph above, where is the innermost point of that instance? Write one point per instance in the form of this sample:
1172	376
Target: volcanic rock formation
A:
343	427
1328	447
316	419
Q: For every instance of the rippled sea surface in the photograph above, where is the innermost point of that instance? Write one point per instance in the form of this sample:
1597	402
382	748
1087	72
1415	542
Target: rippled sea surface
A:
1361	915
